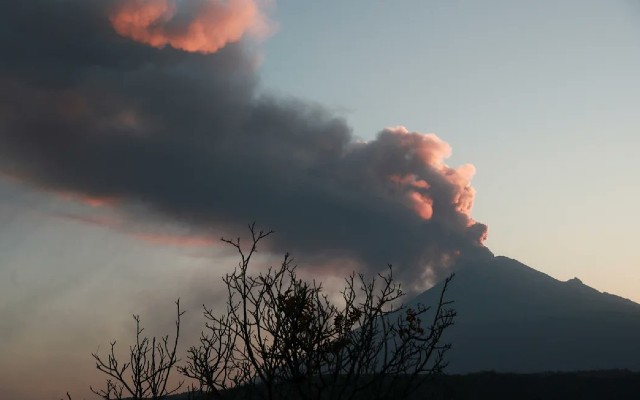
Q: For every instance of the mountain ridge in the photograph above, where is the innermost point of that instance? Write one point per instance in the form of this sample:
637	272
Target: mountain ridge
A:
513	318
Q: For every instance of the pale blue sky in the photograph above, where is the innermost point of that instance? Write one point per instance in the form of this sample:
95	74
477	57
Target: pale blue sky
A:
541	96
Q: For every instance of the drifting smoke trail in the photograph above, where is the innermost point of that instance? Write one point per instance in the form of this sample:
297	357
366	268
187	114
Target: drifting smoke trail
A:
127	114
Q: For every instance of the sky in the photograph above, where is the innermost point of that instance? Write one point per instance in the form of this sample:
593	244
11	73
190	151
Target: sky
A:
128	148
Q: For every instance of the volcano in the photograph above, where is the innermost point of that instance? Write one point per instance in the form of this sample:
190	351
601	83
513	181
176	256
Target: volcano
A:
512	318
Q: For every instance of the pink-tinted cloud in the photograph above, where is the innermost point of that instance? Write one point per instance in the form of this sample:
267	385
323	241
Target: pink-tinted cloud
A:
86	199
202	26
162	239
92	201
428	183
422	204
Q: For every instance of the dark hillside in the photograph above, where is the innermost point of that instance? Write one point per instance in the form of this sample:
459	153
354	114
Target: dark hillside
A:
618	385
512	318
597	385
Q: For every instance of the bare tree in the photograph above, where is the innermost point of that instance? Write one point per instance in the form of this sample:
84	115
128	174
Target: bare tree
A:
146	374
281	337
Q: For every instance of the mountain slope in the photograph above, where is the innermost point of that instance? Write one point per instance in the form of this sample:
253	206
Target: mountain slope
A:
513	318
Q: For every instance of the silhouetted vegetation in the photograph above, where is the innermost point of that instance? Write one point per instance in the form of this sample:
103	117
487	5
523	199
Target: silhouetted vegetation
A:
593	385
146	374
280	337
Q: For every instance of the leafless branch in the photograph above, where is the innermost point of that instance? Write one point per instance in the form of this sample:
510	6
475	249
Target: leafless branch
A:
146	374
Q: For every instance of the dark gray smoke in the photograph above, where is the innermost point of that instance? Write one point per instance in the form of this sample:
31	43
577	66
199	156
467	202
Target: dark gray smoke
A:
88	111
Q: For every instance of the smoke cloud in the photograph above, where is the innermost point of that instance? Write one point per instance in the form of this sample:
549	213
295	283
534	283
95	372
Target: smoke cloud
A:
203	26
104	102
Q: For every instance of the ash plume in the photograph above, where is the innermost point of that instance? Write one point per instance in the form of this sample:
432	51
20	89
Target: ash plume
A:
196	25
107	111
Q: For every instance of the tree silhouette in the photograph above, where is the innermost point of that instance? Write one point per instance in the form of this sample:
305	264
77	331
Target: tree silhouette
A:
146	374
280	337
